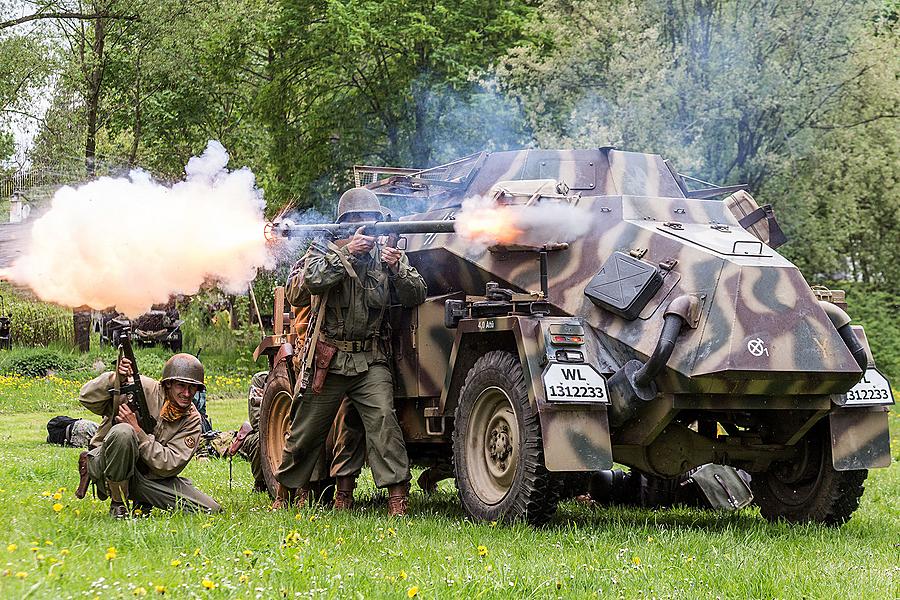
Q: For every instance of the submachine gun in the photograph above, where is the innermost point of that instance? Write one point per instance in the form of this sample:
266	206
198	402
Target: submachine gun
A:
138	402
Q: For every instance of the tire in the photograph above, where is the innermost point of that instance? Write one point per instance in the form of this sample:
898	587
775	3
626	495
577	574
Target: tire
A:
274	429
808	488
274	423
498	453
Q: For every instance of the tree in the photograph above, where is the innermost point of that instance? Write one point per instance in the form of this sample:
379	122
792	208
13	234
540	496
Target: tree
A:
728	89
380	82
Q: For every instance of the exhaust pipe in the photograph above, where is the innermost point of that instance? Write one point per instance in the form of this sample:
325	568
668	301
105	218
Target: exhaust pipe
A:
841	322
632	385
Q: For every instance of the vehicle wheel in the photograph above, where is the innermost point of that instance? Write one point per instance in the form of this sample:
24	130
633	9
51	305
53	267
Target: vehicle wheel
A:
274	423
498	453
808	488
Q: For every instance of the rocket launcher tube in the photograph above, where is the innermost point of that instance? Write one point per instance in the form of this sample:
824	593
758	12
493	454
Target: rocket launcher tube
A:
338	231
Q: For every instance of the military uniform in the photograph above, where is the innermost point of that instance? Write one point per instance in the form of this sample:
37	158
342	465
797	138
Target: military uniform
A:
359	290
149	463
344	454
250	445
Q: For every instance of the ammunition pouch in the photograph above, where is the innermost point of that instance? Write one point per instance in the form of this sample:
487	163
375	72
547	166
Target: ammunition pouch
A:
324	355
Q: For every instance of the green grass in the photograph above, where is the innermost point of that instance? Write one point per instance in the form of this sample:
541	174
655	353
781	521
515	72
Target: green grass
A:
583	552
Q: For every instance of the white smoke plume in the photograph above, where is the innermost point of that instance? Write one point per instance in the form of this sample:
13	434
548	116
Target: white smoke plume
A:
132	242
485	223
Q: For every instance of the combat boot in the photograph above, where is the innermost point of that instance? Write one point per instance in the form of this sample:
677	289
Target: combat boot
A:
84	477
283	497
343	497
398	499
118	493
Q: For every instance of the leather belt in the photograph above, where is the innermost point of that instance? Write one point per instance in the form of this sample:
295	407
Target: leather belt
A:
350	345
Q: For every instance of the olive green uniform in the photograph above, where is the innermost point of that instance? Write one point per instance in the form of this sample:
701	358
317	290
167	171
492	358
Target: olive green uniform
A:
149	462
359	291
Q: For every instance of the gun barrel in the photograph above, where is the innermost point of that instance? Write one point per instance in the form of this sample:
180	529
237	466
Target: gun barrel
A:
345	230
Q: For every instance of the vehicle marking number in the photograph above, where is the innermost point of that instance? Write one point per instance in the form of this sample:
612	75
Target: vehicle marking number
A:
574	383
873	388
487	324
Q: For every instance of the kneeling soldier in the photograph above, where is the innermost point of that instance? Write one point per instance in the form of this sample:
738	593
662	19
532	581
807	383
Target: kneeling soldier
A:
127	463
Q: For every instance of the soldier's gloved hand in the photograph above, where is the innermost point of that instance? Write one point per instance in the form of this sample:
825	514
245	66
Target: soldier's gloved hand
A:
125	415
360	243
391	257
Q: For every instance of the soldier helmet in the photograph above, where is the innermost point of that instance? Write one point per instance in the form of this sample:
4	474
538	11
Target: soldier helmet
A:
358	200
185	368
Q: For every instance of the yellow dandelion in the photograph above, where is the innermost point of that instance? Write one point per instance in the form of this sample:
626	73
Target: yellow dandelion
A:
482	551
57	507
139	591
313	518
248	552
46	493
40	556
160	589
636	560
412	592
403	575
65	552
21	574
48	543
196	551
34	548
205	525
12	548
243	579
77	512
210	585
391	531
175	562
57	496
324	553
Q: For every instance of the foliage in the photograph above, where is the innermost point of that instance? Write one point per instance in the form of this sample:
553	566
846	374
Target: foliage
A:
36	323
877	312
607	552
35	362
394	83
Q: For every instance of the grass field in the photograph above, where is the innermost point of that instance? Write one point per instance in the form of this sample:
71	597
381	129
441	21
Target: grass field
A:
54	546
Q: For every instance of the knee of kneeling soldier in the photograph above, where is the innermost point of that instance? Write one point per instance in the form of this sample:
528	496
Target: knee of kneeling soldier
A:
122	432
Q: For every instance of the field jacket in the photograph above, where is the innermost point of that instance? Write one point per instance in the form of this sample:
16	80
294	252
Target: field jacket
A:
165	452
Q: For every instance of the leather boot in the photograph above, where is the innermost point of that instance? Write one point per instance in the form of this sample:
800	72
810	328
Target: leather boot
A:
398	499
118	494
343	497
301	500
85	479
283	497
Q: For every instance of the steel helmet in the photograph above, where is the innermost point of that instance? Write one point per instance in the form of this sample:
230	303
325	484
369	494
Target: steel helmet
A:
358	200
183	367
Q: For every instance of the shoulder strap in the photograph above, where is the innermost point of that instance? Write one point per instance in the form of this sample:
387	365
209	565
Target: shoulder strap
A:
347	266
319	312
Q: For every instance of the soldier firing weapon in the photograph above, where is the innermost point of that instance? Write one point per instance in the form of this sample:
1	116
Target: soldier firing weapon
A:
138	402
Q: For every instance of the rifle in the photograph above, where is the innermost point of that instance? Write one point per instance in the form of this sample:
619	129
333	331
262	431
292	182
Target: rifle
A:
138	402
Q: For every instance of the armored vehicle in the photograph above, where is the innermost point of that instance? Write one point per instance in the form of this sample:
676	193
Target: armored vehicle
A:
669	335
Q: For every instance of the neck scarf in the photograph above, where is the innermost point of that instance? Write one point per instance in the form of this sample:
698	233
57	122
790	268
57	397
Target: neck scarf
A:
170	411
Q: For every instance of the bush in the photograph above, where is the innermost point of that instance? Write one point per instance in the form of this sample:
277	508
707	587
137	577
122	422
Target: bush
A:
36	323
36	362
877	311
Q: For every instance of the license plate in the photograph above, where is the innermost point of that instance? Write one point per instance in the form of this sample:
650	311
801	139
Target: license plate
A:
574	383
872	389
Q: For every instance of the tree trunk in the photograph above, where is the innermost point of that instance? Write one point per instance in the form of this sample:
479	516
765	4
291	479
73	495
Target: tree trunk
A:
94	85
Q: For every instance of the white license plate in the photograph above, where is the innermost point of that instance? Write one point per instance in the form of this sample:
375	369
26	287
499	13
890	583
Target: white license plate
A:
574	383
872	389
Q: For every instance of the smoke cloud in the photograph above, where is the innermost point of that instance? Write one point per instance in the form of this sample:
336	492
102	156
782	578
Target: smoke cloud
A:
485	223
132	242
